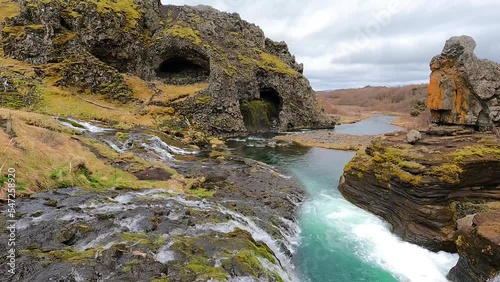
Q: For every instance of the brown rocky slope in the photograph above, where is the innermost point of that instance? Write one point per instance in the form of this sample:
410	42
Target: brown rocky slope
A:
441	192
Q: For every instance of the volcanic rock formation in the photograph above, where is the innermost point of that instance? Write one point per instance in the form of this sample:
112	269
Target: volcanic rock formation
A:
464	90
253	83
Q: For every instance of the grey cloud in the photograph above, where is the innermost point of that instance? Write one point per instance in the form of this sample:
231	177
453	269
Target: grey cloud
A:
397	53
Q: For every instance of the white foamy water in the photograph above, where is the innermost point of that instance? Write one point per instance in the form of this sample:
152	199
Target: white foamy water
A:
370	239
259	234
165	254
88	126
156	145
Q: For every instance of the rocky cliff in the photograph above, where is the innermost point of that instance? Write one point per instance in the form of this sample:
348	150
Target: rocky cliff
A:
250	83
463	89
442	191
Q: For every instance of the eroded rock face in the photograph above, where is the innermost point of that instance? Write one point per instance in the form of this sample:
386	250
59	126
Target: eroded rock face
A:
175	45
441	193
464	90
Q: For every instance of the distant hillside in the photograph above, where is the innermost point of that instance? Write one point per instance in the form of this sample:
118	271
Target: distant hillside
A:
355	104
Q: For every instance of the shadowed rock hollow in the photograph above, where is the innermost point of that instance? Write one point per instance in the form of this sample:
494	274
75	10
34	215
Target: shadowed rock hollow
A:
254	83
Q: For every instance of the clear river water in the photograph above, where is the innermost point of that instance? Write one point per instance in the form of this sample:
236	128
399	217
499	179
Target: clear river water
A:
339	241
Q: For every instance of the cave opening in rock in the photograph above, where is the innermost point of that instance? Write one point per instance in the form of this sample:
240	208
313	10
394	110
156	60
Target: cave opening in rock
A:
180	70
262	115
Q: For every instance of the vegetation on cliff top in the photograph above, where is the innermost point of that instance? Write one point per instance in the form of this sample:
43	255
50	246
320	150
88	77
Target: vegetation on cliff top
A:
418	165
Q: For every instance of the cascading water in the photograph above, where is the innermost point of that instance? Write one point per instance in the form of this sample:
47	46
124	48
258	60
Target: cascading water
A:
338	241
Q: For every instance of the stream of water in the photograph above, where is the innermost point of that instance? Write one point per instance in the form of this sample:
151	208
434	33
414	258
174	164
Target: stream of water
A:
339	241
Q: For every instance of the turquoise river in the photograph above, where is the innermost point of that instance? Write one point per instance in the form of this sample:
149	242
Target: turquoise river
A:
339	241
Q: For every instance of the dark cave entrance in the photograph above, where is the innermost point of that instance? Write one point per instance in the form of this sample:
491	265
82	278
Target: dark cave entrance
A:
262	115
179	70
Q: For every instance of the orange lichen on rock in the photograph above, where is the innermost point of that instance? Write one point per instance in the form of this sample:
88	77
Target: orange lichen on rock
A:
461	86
461	106
434	97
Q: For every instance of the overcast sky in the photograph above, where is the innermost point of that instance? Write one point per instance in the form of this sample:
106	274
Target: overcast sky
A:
354	43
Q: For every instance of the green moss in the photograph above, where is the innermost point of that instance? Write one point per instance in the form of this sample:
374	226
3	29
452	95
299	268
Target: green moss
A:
67	255
411	165
249	261
128	8
16	31
264	251
149	240
203	193
204	272
198	267
129	265
447	172
122	136
184	33
477	151
267	62
258	114
203	99
35	27
63	38
470	207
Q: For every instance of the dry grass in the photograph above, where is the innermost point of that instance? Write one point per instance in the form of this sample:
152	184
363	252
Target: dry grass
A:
9	9
352	105
47	155
169	93
328	140
177	93
382	99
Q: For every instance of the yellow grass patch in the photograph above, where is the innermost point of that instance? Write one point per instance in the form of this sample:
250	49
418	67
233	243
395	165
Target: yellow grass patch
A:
169	93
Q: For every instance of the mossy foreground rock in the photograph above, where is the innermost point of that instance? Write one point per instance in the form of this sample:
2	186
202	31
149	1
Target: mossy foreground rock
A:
175	45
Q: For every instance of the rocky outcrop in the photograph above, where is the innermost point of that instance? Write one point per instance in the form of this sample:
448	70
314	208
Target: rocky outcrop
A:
253	83
464	90
479	248
442	190
428	190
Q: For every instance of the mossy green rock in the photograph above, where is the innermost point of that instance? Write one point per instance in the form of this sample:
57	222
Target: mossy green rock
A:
90	44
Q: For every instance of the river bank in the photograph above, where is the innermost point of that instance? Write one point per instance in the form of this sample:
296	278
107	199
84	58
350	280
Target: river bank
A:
348	137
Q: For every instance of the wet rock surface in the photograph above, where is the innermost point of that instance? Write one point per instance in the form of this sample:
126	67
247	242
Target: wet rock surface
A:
236	219
120	235
428	191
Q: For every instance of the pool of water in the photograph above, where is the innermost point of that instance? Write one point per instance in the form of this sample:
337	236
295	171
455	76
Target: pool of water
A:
339	241
372	126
